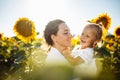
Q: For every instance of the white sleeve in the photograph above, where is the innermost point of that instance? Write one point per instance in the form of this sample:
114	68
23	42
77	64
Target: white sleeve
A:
86	55
76	47
75	51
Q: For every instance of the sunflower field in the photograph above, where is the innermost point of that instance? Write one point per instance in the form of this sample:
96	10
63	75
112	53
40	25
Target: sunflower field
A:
22	56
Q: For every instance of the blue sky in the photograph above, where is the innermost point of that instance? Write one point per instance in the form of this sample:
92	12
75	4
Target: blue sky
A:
73	12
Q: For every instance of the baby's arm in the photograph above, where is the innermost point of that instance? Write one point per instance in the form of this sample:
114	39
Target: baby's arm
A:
72	60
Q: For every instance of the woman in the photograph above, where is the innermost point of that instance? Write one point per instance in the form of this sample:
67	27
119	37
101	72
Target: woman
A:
57	35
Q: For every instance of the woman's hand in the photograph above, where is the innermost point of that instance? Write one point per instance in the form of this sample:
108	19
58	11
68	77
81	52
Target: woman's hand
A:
74	61
66	51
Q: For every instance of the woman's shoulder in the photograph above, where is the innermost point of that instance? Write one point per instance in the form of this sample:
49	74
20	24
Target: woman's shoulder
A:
53	51
56	58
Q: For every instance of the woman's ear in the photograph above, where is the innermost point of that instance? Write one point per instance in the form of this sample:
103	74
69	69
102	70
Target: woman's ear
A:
53	37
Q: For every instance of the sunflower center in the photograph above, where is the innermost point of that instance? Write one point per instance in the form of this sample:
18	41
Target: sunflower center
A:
104	22
118	32
0	36
24	28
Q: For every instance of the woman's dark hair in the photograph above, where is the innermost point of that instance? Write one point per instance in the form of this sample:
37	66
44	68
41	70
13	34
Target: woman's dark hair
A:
51	28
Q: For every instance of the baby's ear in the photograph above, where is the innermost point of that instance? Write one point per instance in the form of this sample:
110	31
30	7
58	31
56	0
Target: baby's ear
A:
98	41
95	43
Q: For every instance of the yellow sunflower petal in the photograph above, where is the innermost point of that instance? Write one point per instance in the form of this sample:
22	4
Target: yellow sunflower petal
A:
110	38
104	33
1	35
110	47
75	40
25	29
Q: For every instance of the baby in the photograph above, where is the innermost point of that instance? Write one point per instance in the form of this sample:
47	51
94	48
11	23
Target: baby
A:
83	56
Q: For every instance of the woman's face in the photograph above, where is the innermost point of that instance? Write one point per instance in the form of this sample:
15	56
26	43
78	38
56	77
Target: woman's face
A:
63	37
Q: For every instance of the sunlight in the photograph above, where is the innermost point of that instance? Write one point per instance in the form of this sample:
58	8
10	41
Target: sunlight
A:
46	9
42	11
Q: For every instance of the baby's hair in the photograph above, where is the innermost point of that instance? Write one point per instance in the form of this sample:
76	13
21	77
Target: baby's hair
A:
98	28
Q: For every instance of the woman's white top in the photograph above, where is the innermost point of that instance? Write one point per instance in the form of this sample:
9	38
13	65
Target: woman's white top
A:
88	67
54	57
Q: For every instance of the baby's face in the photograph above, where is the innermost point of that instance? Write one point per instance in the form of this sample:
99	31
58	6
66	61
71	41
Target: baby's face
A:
88	37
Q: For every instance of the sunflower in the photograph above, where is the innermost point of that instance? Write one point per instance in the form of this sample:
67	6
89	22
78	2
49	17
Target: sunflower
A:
104	33
119	44
75	40
103	19
25	29
117	32
1	35
110	47
110	38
